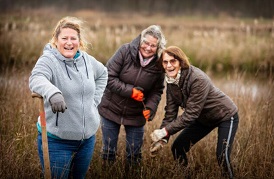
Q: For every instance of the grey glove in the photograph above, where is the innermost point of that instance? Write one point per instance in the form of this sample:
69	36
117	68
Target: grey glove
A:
57	103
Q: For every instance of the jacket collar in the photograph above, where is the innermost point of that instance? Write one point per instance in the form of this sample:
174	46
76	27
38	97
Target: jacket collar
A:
134	46
185	74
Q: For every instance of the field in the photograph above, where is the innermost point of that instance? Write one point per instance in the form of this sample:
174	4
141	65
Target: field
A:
237	53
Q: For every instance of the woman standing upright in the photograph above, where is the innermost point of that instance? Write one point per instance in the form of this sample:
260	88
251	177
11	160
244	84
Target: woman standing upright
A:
71	83
133	92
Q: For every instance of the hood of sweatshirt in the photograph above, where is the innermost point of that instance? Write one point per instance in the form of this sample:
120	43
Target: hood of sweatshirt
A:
67	61
49	49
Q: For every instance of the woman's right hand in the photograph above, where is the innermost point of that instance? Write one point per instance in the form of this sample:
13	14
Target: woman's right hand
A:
137	93
57	103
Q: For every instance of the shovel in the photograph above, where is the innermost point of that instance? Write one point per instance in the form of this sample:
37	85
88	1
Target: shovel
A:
47	174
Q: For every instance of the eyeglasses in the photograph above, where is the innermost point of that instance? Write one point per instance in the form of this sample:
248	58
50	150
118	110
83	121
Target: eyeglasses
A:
171	61
147	44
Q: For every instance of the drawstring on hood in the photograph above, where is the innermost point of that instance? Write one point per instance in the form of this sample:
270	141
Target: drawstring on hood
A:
49	49
76	68
66	68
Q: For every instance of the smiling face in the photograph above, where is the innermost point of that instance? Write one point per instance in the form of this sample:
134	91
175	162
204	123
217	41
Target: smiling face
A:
171	65
68	42
148	47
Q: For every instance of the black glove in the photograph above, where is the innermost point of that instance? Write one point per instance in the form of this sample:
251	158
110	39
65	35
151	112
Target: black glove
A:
57	103
151	116
139	88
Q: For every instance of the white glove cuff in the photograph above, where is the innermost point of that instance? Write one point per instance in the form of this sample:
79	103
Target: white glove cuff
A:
162	133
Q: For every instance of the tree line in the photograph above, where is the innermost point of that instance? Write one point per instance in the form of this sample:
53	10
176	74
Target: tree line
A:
237	8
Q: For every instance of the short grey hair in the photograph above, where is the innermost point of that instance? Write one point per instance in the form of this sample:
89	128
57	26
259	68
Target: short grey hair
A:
156	32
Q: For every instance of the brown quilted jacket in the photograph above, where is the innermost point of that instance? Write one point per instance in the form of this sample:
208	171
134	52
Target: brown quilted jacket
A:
200	100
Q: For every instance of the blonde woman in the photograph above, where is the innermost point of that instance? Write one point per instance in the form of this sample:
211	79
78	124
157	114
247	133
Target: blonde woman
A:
71	83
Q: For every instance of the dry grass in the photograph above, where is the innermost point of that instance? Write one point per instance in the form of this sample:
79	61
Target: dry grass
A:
211	43
252	156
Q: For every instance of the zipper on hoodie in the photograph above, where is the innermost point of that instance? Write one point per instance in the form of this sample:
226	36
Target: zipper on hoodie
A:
84	118
82	95
82	105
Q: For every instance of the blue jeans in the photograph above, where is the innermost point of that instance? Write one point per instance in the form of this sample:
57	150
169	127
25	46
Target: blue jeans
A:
68	157
134	141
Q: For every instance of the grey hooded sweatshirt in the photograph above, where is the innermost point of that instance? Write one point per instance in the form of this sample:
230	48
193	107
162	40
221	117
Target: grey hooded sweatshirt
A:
81	81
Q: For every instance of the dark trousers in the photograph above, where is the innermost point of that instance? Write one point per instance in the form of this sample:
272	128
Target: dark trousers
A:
196	131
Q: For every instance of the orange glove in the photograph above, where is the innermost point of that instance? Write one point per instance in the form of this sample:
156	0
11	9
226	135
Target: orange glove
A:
137	94
146	113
